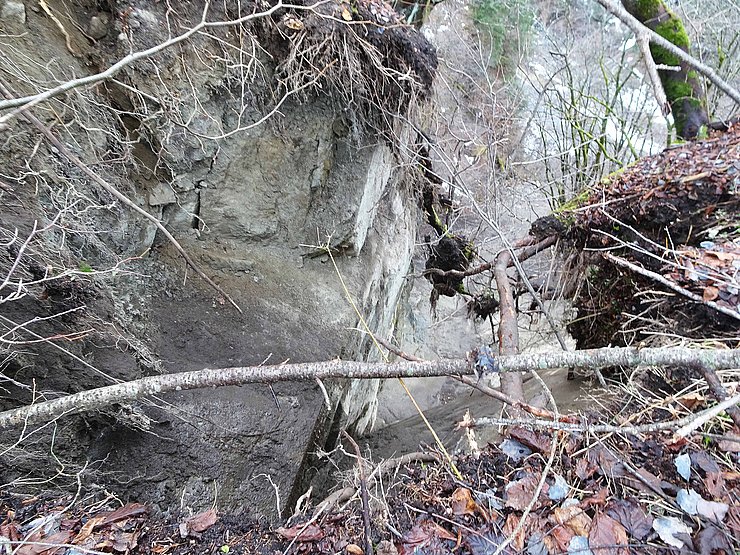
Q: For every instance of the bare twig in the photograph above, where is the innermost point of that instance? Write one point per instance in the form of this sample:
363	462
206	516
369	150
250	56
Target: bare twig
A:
717	389
363	494
120	196
671	285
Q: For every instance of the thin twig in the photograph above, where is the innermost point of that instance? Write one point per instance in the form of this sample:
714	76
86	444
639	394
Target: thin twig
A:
120	196
671	285
363	494
717	389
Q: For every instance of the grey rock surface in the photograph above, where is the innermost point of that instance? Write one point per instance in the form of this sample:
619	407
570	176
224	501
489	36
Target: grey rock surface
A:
254	208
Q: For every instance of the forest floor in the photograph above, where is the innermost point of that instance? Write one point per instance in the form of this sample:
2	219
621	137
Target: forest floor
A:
617	489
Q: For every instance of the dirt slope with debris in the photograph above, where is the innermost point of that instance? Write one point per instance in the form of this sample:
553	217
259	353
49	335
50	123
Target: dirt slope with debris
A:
259	143
659	246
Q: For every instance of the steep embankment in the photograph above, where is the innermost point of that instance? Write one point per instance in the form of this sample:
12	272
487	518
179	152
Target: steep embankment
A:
249	136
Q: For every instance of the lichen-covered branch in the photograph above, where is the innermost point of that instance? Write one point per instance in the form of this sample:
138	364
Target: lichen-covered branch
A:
681	85
198	379
682	57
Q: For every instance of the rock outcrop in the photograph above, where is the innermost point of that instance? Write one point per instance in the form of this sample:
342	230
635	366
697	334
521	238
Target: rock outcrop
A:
259	174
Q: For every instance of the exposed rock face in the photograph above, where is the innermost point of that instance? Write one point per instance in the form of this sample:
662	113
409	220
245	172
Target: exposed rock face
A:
244	203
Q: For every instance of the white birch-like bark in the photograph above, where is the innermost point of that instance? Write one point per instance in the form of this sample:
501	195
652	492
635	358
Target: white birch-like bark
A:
45	411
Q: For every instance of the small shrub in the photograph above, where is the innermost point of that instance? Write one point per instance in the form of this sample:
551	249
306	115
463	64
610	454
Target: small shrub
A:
509	26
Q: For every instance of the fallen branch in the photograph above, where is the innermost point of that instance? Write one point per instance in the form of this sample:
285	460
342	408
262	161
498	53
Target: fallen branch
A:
591	358
683	426
671	285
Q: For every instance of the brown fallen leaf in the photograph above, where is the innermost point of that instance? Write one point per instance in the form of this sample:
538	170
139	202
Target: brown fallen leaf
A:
512	521
649	483
10	531
710	293
607	536
558	540
573	518
585	468
354	549
598	499
712	541
127	511
424	531
607	462
518	494
302	533
630	515
45	545
715	484
463	503
88	529
123	542
536	441
731	445
202	521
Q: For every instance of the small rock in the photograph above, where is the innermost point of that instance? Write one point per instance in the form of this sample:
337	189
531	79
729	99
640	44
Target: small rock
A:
161	195
13	16
98	26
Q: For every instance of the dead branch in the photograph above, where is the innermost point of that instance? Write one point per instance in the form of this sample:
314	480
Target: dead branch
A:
590	358
674	287
508	329
616	9
683	426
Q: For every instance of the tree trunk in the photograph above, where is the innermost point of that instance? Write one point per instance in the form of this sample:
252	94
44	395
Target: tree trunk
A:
682	88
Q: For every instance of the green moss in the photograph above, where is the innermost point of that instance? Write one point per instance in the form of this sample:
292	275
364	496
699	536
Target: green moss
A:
673	31
677	90
565	212
461	289
469	251
575	202
647	9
